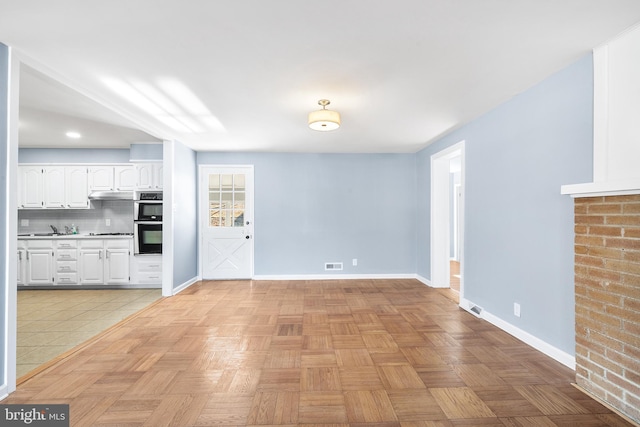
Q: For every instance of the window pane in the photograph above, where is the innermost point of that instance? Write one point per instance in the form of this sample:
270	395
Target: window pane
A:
238	182
227	218
227	182
214	200
214	218
227	200
214	182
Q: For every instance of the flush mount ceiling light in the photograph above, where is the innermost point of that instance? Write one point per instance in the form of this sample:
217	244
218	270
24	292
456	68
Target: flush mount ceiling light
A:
73	134
324	120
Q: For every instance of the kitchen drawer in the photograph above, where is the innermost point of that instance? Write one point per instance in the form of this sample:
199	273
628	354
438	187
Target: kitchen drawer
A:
149	266
67	244
67	278
66	254
67	266
149	277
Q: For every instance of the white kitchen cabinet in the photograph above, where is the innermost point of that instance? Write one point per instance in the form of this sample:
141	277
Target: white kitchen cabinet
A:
124	178
146	269
52	187
22	262
39	262
30	187
91	260
77	187
112	178
101	178
149	176
66	262
53	181
104	261
116	268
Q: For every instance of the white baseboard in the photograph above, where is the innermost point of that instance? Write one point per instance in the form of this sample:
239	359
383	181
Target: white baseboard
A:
185	285
555	353
332	276
4	392
423	280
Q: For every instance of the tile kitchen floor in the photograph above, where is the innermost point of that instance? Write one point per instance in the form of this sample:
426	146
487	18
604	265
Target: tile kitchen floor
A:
51	322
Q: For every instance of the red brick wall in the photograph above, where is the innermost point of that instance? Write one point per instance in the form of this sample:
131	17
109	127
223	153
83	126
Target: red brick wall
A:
607	288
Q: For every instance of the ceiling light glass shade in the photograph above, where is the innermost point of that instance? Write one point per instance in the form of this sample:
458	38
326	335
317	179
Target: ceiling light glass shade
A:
324	120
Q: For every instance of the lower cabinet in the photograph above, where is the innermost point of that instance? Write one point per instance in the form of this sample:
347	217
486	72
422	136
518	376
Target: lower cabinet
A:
146	269
35	263
66	262
104	262
74	262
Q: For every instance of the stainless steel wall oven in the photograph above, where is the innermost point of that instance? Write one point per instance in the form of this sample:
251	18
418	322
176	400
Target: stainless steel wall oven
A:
147	224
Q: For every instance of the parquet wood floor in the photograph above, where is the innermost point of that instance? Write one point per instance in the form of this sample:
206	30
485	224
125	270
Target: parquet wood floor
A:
340	353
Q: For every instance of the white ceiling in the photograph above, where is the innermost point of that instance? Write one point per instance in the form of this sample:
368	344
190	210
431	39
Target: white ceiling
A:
400	73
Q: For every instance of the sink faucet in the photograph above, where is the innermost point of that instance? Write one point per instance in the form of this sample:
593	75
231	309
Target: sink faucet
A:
55	230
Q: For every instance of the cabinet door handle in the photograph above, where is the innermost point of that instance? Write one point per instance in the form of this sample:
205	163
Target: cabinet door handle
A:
19	255
99	254
27	255
107	251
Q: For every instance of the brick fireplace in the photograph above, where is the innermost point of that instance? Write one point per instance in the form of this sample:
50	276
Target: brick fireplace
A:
607	294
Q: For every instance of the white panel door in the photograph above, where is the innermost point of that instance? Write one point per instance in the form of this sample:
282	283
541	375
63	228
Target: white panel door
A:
226	216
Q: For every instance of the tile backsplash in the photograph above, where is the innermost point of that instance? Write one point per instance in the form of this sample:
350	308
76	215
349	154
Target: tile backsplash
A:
120	214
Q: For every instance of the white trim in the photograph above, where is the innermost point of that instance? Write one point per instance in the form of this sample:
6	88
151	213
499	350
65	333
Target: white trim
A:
185	285
535	342
600	113
168	164
595	189
439	216
424	280
11	199
332	276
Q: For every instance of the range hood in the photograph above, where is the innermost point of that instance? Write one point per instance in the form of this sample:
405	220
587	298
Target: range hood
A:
111	195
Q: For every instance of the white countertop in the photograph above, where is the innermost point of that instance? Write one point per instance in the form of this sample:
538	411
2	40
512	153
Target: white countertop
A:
46	236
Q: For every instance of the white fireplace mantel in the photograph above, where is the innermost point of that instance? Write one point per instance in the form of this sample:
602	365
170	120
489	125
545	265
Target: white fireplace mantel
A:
616	128
609	188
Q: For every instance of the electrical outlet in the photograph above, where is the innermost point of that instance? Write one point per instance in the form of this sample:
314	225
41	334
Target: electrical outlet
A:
107	222
516	309
355	262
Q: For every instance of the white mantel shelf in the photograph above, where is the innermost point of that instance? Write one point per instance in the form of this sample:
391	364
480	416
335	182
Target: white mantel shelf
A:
597	189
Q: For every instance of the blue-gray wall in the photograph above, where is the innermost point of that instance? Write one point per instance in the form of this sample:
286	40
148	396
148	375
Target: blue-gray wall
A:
317	208
73	155
185	199
518	228
4	142
145	152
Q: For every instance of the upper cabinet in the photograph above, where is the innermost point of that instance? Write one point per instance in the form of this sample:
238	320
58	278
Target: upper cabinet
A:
112	178
68	186
52	187
124	178
30	187
76	184
149	176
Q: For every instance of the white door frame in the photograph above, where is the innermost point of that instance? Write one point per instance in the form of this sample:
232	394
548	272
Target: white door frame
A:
200	208
440	216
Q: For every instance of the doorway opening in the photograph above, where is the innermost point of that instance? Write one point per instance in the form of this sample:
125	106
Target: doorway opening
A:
447	219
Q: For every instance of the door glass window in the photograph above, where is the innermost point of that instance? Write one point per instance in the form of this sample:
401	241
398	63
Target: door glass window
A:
226	200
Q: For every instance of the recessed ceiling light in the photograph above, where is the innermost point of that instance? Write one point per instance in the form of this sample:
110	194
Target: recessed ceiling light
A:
73	135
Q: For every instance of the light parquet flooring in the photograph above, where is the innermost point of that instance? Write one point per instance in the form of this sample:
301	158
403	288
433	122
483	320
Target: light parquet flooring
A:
342	353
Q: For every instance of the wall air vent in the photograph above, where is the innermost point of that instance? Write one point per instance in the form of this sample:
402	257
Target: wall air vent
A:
333	266
475	309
